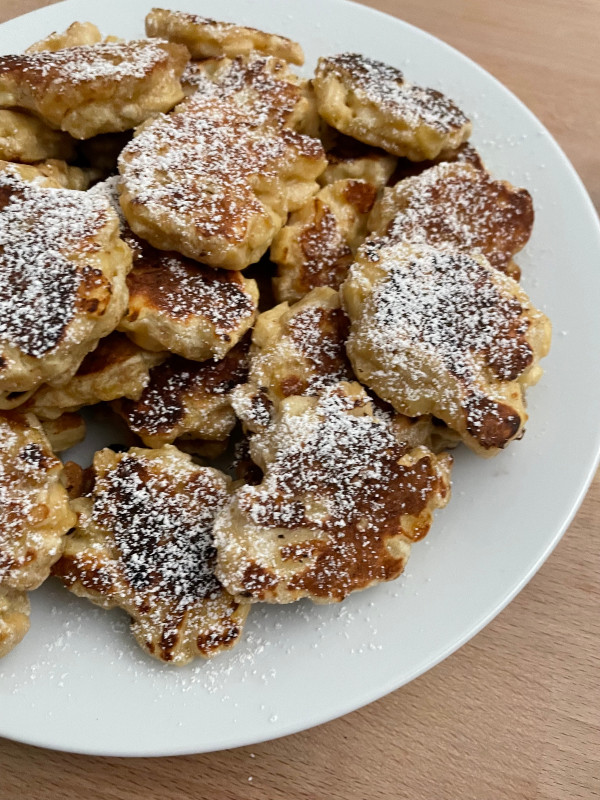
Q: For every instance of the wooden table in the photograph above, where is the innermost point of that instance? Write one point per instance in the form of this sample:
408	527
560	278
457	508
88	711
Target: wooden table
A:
514	714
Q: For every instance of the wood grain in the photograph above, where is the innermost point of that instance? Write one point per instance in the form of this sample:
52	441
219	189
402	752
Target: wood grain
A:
515	713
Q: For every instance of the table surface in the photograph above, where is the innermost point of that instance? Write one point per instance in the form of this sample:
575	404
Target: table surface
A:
516	712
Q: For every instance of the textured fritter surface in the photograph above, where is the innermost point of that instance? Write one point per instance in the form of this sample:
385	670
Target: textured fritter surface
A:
34	510
144	543
317	245
25	139
297	350
371	102
180	305
337	509
443	333
52	174
64	432
349	158
116	368
62	280
206	38
98	88
263	86
187	398
14	618
457	206
78	33
208	183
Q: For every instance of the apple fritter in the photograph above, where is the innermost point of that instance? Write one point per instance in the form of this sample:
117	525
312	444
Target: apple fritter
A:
457	206
444	333
144	543
207	38
317	245
62	280
27	139
206	182
14	618
34	509
338	506
370	101
98	88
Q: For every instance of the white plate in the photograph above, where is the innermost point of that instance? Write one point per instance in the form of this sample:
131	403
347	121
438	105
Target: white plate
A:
78	681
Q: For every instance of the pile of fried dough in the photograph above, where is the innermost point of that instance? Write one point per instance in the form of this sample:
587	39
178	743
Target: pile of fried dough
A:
308	282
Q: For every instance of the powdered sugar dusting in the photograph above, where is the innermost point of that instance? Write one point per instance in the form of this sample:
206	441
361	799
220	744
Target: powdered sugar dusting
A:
384	86
38	281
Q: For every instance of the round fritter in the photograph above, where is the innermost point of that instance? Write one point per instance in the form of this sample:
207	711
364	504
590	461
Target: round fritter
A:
116	368
14	618
97	88
180	305
371	102
349	158
444	333
26	139
317	245
206	38
457	206
297	350
337	509
34	510
62	280
189	399
78	33
208	183
144	543
263	86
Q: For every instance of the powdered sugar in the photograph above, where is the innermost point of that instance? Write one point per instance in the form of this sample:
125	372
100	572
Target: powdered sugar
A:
39	230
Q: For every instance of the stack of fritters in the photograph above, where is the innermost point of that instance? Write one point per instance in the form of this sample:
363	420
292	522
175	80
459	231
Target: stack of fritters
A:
139	180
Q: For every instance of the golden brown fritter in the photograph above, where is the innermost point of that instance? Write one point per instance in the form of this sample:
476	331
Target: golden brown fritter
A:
337	509
189	399
62	280
206	38
264	87
459	207
98	88
349	158
78	33
206	182
297	350
34	510
26	139
116	368
444	333
52	174
371	102
144	543
317	245
14	618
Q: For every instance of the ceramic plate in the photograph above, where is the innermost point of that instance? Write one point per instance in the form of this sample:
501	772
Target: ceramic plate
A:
79	682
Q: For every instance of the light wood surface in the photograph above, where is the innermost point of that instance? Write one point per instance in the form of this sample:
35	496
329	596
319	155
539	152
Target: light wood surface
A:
515	713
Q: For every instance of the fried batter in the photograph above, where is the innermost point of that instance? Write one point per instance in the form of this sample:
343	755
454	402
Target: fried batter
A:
206	182
317	245
144	543
207	38
62	281
187	399
371	102
34	511
116	368
27	139
14	618
337	509
443	333
98	88
459	207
